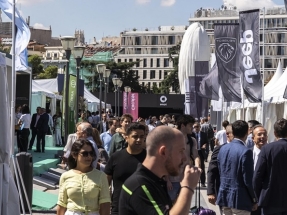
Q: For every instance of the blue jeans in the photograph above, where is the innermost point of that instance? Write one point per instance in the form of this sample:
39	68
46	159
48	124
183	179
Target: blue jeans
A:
175	191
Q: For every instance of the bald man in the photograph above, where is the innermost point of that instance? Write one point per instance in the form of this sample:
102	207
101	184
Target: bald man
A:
145	192
259	138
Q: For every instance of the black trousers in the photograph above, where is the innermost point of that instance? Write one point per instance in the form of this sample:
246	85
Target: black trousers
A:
201	154
40	141
24	136
34	134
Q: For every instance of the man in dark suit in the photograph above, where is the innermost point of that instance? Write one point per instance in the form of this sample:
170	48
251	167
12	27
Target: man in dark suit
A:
35	118
202	142
270	174
235	163
103	125
42	128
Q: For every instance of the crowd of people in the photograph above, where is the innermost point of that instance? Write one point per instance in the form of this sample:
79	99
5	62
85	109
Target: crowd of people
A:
121	165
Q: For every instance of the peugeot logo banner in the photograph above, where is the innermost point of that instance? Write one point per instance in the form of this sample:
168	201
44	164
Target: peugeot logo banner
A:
248	55
226	45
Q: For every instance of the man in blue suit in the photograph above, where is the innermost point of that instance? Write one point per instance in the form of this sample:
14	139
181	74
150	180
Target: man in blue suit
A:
235	163
270	174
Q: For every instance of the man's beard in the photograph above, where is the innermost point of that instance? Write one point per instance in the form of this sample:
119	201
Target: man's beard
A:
171	169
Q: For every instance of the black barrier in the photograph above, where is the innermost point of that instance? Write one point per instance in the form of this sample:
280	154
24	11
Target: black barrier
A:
25	162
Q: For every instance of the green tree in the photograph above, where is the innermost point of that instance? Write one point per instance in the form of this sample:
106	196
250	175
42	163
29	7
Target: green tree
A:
155	89
171	80
4	48
35	63
49	72
121	70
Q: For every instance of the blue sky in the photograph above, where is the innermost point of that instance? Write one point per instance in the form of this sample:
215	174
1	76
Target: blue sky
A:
109	17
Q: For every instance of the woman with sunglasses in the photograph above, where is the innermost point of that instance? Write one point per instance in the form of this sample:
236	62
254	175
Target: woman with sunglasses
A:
84	190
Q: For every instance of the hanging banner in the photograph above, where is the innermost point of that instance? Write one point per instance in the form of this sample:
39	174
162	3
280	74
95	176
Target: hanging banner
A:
201	70
248	55
190	97
285	2
209	86
226	41
125	103
133	99
71	103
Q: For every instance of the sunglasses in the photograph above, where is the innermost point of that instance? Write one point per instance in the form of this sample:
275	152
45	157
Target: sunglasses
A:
87	153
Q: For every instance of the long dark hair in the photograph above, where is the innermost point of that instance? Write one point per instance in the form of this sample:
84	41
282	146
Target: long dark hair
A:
76	148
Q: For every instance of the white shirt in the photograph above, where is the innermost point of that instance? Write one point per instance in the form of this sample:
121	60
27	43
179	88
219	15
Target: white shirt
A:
221	137
26	120
256	152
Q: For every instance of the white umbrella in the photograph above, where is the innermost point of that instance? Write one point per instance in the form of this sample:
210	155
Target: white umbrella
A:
9	196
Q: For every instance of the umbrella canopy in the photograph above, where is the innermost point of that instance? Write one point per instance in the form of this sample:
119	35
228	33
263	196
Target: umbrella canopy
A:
9	197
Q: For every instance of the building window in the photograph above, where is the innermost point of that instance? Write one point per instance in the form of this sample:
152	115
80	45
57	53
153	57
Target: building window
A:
152	74
159	75
144	62
138	62
144	74
166	62
164	74
268	63
143	84
48	54
55	55
159	84
137	73
138	41
154	40
158	62
130	60
119	60
138	50
154	50
125	60
148	85
171	40
151	62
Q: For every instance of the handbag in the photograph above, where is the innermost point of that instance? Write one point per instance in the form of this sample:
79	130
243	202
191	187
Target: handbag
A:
198	210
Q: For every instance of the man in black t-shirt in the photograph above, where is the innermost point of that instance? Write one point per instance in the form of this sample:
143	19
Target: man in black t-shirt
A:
123	164
145	192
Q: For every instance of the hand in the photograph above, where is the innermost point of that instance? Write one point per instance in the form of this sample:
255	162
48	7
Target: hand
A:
254	207
204	146
169	185
191	176
211	199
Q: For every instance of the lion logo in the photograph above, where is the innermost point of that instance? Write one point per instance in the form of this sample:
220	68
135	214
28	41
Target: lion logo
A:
226	48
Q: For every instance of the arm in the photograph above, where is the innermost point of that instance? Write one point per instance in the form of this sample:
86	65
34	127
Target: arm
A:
104	208
260	173
61	210
110	178
247	173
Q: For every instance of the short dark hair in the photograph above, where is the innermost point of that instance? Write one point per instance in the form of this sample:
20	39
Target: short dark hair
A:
252	123
134	126
225	123
166	116
111	121
205	119
76	148
184	119
126	115
25	109
239	128
280	128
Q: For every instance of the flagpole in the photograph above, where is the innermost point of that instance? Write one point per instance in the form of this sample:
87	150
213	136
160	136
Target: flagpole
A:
13	81
263	68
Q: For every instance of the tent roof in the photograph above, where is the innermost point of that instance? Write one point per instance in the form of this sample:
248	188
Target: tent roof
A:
37	87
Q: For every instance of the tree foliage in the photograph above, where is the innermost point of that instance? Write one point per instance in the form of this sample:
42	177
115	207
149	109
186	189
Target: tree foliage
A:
121	70
35	63
49	72
4	48
171	80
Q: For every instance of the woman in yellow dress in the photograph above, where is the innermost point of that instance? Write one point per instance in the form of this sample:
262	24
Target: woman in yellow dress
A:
83	189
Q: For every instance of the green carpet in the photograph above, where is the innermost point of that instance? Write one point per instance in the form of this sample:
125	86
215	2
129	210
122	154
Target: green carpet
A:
43	200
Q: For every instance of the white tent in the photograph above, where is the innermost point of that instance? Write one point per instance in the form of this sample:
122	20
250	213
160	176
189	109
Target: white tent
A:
39	94
52	86
9	196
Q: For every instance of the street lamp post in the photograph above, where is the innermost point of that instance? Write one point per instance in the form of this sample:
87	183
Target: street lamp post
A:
78	53
115	82
68	43
101	68
127	90
120	83
106	79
